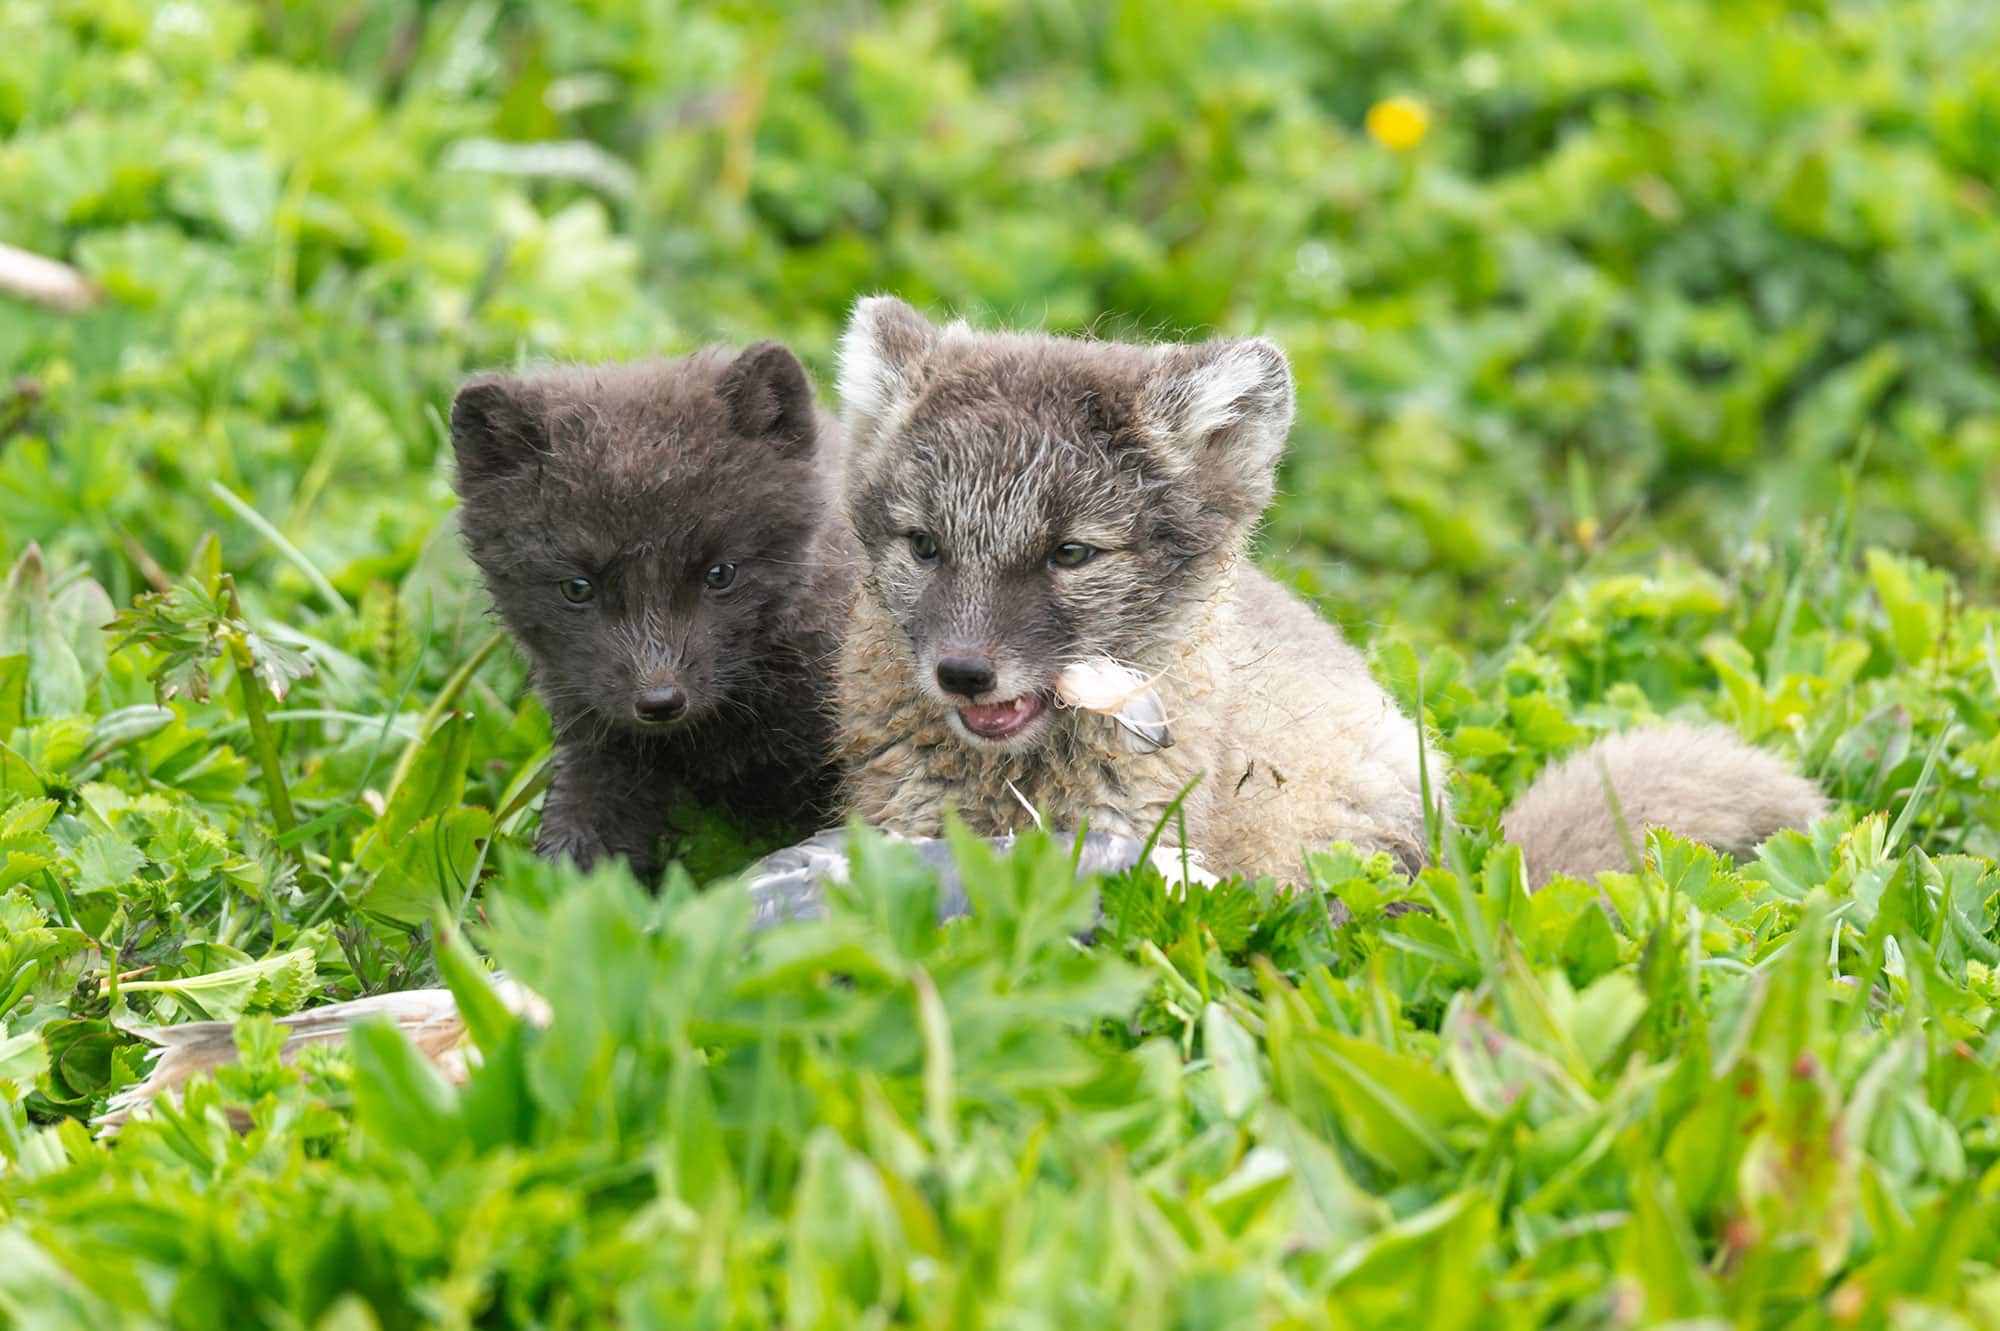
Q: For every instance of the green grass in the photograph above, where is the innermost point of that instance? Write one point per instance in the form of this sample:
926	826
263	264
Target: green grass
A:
1656	381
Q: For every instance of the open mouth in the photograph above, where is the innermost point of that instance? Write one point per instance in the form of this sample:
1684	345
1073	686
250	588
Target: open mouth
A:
1001	720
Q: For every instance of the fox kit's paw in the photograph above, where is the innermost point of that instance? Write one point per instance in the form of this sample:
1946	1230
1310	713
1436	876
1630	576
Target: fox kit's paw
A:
585	849
569	843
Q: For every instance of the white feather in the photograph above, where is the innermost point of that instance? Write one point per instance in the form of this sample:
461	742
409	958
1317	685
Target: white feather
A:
1124	695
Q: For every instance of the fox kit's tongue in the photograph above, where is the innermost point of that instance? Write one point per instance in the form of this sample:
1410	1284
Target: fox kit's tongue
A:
997	720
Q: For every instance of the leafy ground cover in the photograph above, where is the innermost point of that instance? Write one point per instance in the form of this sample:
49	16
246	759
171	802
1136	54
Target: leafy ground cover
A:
1649	375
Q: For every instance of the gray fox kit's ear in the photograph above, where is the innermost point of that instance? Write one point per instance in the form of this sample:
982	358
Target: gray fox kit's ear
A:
769	397
886	343
1224	408
496	426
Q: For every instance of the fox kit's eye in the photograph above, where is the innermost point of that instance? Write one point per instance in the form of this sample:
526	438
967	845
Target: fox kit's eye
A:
923	546
1072	554
719	576
578	590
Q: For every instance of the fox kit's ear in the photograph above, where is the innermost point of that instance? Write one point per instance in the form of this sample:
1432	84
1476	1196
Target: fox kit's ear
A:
496	426
1221	410
769	398
881	353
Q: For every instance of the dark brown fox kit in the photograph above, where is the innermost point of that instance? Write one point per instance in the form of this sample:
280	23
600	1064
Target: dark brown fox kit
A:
660	539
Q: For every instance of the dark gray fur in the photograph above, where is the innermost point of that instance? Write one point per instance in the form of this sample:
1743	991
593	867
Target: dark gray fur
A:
640	477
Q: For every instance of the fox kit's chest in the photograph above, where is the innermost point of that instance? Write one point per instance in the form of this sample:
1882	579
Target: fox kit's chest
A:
905	774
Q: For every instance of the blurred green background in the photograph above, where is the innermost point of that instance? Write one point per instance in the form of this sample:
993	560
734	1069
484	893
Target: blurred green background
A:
1718	276
1647	367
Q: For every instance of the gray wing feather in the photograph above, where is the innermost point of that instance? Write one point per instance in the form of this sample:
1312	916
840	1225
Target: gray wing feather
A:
1144	723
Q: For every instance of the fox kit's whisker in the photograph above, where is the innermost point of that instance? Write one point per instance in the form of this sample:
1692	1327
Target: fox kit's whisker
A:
1015	791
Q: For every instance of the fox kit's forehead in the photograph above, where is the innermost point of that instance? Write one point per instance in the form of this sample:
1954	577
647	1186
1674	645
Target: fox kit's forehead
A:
646	467
1003	490
627	429
713	456
1058	381
1013	441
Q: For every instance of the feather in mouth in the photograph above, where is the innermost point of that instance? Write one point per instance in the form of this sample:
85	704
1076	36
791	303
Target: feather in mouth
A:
1105	687
1124	695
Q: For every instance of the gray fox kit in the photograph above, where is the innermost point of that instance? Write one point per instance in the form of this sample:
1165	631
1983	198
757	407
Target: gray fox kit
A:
1026	503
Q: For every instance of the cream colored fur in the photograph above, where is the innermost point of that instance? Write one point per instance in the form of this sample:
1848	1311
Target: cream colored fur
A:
999	446
1699	782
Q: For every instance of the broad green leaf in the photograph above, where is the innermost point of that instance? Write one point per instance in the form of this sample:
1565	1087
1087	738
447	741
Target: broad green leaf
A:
1913	619
487	1020
1341	1211
1396	1108
280	983
1372	1278
429	866
434	783
13	692
1234	1060
401	1102
30	627
22	1060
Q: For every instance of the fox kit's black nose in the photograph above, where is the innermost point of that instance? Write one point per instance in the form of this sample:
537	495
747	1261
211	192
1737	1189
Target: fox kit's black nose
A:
967	676
661	704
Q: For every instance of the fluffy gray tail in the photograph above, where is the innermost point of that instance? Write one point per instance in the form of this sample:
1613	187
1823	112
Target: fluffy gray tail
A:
1702	783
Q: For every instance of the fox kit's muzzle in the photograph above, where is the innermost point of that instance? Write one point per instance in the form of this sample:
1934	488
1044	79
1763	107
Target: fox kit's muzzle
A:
661	704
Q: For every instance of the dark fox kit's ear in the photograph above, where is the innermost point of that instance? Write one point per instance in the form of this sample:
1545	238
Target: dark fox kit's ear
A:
1220	411
495	427
769	397
881	354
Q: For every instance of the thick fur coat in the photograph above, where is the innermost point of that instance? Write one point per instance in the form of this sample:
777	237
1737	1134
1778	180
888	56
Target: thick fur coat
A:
1025	502
996	450
662	541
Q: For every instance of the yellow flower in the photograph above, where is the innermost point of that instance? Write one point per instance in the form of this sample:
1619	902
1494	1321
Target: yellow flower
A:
1398	123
